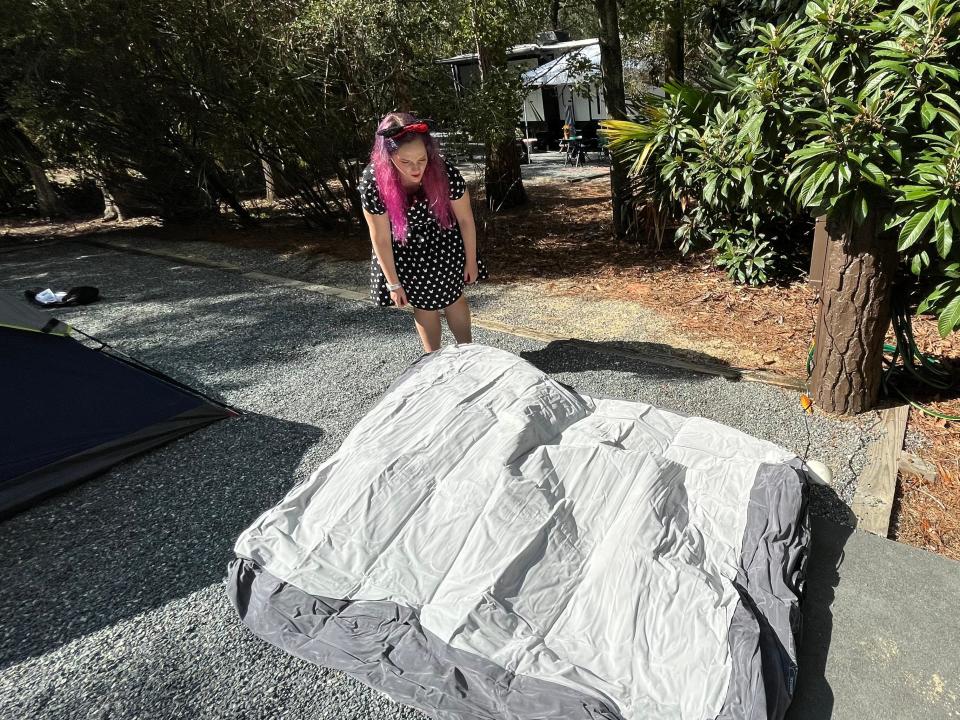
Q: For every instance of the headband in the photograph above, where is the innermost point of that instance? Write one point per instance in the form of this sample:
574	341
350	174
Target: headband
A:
398	131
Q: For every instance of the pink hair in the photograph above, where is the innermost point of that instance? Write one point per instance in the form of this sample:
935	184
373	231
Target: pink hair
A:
396	199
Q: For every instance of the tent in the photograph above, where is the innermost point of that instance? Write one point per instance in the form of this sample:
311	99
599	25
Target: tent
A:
71	411
489	543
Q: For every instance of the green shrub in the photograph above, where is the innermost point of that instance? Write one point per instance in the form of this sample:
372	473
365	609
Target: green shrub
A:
848	110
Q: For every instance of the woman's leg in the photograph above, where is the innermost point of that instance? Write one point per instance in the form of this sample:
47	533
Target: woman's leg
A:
458	319
428	327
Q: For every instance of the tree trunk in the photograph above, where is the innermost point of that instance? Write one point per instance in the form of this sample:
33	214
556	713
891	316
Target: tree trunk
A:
611	67
854	317
47	199
503	183
504	186
218	189
268	181
111	210
401	89
404	57
673	43
554	14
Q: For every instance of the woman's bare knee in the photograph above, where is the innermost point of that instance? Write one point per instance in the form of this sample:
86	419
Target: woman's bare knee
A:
428	328
458	320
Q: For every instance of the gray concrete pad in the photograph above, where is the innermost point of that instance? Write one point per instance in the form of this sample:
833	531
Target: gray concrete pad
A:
881	635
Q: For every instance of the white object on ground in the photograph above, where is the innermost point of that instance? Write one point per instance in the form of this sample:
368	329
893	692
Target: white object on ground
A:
819	473
49	296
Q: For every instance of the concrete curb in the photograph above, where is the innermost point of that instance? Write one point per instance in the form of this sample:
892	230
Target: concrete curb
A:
663	359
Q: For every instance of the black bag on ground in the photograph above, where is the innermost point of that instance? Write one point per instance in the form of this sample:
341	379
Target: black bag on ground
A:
81	295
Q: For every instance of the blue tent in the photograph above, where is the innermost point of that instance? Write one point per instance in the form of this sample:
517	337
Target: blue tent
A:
71	411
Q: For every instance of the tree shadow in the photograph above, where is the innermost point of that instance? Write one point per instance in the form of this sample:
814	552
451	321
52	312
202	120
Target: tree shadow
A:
186	326
813	698
152	529
125	543
563	231
161	526
671	363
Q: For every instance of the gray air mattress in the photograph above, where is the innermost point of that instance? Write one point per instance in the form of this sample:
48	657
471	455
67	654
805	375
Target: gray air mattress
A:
487	543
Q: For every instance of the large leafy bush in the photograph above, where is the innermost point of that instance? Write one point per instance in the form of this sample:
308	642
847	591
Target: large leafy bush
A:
848	110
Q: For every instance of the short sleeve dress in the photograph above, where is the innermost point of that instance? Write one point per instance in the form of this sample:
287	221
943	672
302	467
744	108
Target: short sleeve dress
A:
430	264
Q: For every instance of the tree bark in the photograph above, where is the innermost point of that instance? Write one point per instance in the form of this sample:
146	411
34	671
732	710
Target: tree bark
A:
268	181
554	14
111	210
673	41
611	67
47	199
218	189
854	316
502	178
503	183
402	91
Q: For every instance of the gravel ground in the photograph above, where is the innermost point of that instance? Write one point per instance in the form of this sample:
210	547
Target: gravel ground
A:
526	305
112	602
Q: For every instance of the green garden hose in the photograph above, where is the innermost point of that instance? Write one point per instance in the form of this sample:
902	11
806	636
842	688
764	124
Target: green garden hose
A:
906	360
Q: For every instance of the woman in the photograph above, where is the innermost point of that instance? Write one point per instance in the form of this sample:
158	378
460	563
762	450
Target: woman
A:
424	239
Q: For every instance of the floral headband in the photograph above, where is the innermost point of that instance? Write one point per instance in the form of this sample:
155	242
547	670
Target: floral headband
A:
398	131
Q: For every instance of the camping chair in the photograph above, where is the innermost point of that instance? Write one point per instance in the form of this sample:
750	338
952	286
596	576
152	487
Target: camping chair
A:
576	155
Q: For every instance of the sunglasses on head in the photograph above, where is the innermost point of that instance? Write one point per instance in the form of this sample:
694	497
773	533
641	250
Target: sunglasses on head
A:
417	126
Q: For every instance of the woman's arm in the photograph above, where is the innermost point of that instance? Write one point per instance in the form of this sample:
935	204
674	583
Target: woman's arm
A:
383	248
468	229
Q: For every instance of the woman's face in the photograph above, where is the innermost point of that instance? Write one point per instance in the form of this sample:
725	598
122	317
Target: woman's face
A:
411	160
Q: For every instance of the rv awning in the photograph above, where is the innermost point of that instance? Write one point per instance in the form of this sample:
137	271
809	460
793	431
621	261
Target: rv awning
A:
557	72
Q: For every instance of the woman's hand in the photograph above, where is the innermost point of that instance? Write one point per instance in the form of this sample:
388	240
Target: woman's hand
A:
399	298
470	272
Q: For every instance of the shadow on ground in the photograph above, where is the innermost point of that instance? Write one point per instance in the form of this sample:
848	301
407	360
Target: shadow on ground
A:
155	528
814	698
238	325
125	543
578	355
161	526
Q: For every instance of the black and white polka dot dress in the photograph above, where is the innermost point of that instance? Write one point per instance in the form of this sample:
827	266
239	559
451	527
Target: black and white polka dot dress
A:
430	265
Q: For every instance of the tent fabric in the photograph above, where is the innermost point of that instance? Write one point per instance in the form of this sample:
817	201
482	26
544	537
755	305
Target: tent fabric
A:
488	543
73	412
20	316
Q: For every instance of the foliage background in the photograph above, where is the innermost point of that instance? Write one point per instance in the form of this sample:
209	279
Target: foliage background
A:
837	107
